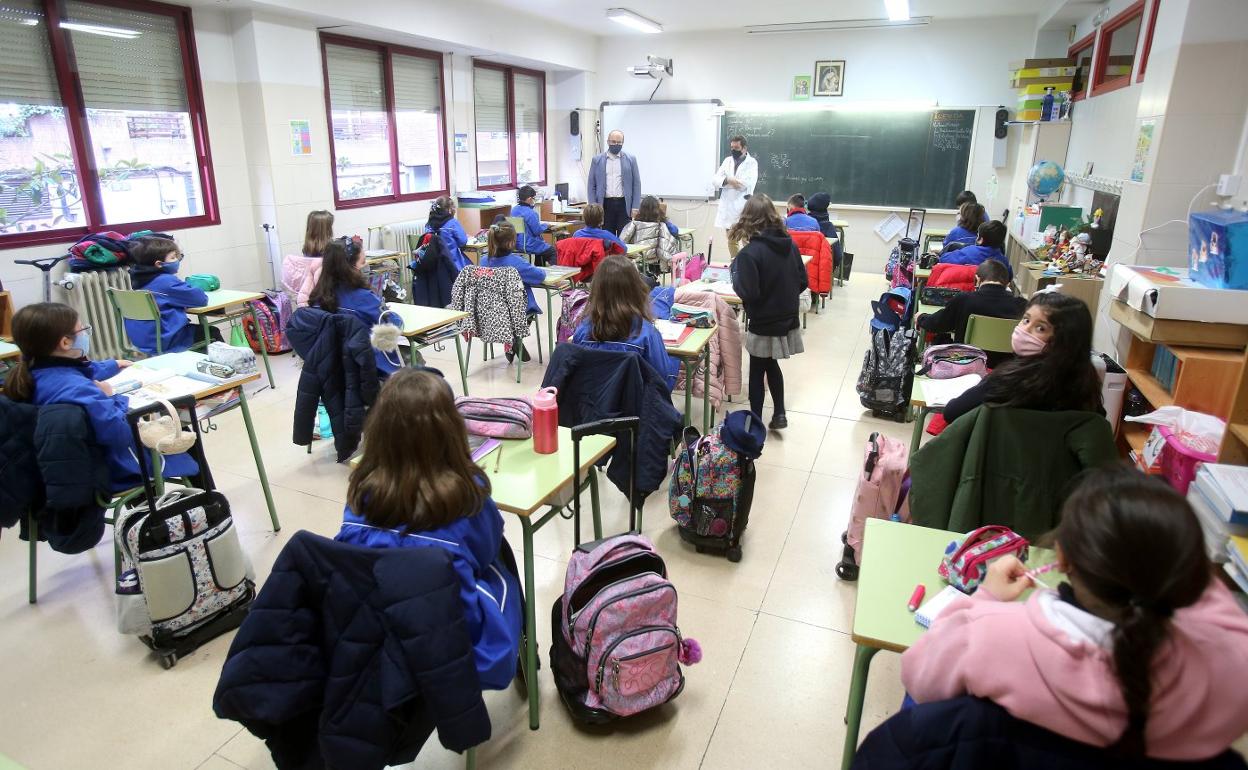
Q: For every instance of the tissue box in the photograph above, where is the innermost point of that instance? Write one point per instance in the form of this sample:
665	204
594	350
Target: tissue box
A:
1218	243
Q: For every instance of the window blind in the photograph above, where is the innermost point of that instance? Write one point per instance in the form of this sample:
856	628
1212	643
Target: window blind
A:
26	72
417	83
529	107
355	80
490	95
126	59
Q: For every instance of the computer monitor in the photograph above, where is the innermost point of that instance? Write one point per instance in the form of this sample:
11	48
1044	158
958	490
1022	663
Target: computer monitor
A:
561	191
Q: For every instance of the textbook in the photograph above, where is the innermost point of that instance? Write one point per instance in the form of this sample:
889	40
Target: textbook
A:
672	333
932	608
1226	488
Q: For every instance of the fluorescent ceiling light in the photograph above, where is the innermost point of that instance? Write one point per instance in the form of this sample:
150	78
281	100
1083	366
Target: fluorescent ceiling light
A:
634	21
835	26
97	29
898	10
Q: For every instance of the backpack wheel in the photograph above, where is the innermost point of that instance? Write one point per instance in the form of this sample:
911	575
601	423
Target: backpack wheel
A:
847	572
700	549
845	538
168	660
733	553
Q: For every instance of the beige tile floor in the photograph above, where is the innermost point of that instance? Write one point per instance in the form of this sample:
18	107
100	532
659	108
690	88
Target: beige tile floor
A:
775	628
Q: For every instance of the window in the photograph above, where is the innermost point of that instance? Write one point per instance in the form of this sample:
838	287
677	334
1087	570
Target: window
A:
385	122
1148	41
1115	53
1081	52
510	107
122	145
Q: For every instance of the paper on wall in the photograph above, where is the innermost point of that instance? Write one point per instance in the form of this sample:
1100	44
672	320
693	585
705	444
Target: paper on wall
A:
890	227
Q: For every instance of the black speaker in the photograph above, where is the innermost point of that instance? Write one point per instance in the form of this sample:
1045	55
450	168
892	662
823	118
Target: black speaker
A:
1002	116
575	123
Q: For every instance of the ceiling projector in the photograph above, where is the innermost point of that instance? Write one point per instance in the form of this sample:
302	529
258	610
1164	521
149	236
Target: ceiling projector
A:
656	67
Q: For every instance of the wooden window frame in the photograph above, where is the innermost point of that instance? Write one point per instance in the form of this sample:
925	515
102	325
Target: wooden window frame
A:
509	91
76	123
1148	41
1076	48
387	52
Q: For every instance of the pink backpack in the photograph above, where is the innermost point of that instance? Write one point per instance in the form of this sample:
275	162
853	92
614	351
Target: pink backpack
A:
944	362
572	306
497	417
618	650
694	267
965	566
883	492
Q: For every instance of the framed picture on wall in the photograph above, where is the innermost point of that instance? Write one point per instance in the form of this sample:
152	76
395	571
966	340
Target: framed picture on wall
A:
830	78
801	87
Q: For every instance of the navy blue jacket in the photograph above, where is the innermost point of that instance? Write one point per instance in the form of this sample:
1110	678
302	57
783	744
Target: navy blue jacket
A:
339	369
173	296
970	733
434	275
351	656
597	384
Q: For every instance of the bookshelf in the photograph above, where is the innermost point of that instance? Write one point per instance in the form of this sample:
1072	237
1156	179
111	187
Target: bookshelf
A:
1235	442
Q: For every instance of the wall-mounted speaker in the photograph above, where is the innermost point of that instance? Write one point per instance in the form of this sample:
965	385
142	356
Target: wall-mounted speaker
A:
575	123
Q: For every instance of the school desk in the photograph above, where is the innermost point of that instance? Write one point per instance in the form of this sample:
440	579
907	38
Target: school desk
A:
933	234
918	405
218	303
8	350
841	226
685	234
896	557
419	320
692	349
382	256
571	216
473	251
921	274
185	362
557	279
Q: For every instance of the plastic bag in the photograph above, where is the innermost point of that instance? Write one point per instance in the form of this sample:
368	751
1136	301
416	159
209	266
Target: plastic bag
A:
1195	430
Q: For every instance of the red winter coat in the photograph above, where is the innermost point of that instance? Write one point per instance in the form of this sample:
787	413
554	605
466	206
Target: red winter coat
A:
585	253
819	269
961	277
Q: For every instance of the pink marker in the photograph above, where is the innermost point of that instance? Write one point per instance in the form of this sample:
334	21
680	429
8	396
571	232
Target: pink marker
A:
916	598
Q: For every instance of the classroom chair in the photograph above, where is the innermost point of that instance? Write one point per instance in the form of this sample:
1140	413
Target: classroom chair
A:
495	301
140	305
990	334
518	224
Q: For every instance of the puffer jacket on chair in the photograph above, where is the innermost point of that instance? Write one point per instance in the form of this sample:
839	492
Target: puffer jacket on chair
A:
960	277
299	276
585	253
339	368
496	303
819	268
725	346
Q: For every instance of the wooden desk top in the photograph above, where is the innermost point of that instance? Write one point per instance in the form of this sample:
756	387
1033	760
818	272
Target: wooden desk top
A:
223	298
525	480
691	346
418	319
8	350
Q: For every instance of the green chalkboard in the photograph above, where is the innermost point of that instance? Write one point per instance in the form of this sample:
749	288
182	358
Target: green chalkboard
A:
898	159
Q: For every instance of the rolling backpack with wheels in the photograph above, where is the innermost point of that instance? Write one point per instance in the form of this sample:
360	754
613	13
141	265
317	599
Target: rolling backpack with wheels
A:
712	485
184	576
616	649
883	492
273	312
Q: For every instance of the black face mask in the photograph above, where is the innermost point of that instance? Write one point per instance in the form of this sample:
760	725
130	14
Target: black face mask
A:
615	149
736	154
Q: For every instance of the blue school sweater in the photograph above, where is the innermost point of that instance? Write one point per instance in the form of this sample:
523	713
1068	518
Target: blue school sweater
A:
961	235
646	340
489	590
801	221
975	255
173	296
606	236
532	276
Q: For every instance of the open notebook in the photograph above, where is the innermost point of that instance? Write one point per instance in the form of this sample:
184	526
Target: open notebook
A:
672	333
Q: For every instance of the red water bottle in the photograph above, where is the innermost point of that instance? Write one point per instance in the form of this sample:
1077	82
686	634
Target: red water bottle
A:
546	421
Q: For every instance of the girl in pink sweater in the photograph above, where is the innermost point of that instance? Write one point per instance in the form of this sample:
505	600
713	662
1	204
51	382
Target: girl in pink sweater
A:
1142	651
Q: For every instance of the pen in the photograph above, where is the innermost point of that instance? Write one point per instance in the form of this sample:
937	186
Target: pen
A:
916	598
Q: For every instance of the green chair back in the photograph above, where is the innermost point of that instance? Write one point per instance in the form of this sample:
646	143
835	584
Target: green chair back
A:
135	305
518	224
991	334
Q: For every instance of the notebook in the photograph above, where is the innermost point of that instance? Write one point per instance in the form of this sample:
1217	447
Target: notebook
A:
672	333
480	446
941	392
932	608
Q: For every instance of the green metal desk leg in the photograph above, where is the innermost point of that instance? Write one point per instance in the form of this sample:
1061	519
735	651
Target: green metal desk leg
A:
202	319
463	365
530	625
689	373
264	349
255	452
706	390
32	531
857	694
593	503
470	758
917	435
550	324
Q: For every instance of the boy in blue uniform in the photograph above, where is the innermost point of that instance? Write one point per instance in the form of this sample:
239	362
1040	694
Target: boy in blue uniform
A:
530	240
594	216
797	218
156	270
989	244
54	369
499	244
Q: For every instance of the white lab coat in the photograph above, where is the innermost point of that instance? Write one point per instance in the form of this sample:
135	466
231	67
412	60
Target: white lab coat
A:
732	200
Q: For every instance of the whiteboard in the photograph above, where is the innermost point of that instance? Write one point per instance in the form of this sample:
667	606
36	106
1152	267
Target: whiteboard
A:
676	144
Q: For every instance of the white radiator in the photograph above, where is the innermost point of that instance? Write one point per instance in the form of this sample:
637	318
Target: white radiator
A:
87	293
394	236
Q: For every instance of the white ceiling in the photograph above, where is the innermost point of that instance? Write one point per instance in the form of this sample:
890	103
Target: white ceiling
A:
698	15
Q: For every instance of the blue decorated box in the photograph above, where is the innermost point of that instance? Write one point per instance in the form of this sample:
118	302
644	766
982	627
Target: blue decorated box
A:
1218	243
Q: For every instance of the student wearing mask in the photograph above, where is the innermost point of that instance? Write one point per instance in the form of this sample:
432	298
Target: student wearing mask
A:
1052	369
156	263
798	218
443	222
965	197
990	298
614	183
989	244
499	245
966	232
530	241
735	181
593	215
342	288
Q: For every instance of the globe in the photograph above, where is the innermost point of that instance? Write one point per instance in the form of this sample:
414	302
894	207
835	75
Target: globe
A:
1045	178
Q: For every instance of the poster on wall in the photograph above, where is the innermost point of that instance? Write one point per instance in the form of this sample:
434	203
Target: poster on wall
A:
829	77
300	137
801	87
1143	143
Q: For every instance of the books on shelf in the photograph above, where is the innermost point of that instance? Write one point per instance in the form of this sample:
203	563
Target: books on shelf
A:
1226	489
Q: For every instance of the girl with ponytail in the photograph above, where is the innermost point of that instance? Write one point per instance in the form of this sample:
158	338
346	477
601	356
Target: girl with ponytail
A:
1142	651
500	243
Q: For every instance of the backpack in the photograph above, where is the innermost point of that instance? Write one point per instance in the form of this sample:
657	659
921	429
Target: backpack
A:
882	492
273	312
694	267
901	260
937	296
617	649
944	362
965	566
892	310
572	306
429	255
711	492
887	373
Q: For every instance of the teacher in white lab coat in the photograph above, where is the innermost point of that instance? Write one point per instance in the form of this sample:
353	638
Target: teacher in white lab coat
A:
735	179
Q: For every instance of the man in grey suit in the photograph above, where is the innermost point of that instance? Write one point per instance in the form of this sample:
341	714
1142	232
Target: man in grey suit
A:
615	183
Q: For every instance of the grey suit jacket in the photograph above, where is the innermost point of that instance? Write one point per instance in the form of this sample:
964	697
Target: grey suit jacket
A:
630	178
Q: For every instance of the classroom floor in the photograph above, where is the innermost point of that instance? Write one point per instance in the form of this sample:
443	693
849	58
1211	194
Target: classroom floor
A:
770	690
